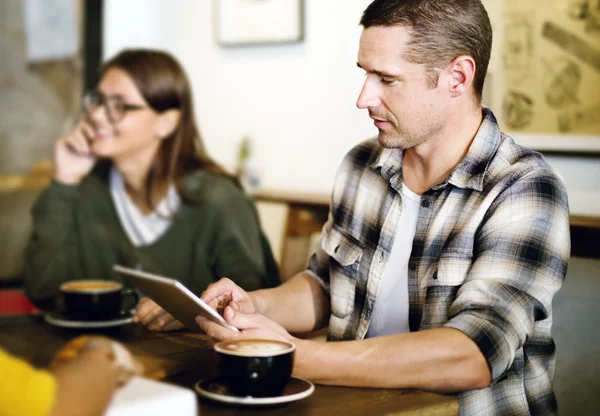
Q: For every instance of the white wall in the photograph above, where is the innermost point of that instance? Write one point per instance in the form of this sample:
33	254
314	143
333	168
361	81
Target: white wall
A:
296	101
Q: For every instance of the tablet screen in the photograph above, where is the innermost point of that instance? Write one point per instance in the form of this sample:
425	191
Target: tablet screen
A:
172	296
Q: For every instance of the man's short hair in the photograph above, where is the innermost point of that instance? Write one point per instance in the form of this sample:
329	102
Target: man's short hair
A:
440	30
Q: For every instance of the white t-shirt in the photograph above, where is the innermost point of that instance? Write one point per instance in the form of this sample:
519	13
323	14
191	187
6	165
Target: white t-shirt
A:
142	229
390	312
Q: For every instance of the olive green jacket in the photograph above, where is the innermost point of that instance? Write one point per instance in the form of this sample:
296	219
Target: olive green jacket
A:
77	234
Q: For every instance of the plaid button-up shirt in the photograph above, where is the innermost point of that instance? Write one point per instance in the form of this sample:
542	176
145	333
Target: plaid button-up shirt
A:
490	251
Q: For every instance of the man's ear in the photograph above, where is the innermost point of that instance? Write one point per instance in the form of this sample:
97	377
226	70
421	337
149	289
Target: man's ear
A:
462	70
167	123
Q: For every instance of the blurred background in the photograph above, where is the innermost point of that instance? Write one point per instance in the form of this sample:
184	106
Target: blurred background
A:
280	77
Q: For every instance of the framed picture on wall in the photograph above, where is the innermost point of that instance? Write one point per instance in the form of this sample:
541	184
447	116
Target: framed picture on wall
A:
545	73
258	22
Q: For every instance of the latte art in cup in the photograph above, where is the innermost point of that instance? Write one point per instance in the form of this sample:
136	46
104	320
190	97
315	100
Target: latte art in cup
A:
254	348
255	367
90	286
95	300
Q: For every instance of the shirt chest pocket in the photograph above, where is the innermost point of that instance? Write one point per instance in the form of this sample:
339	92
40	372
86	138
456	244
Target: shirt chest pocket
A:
442	283
345	253
449	271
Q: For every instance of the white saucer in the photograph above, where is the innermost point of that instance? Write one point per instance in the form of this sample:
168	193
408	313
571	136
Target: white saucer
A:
57	320
216	389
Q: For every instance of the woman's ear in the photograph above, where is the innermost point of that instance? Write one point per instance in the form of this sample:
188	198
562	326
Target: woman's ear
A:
167	123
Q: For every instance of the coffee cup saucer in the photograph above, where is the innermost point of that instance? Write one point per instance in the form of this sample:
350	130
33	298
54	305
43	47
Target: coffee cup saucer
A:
216	389
57	319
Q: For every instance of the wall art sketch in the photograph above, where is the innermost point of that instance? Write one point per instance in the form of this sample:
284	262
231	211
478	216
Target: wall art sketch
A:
546	67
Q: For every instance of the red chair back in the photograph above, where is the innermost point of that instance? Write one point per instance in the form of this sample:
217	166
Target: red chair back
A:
14	302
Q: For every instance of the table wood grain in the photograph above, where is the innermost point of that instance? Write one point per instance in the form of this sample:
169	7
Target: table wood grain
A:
187	357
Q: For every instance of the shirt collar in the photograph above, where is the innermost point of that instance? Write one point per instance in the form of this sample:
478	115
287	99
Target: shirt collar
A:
470	173
390	163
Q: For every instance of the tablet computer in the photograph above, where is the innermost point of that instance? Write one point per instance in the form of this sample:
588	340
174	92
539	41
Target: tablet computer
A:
172	296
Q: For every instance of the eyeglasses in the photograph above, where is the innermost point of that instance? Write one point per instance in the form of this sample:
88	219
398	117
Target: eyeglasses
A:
114	106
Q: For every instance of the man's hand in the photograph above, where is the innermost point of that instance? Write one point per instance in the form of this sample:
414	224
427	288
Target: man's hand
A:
220	294
154	317
251	326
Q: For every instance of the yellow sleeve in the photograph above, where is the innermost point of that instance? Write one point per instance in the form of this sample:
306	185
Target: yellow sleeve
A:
24	390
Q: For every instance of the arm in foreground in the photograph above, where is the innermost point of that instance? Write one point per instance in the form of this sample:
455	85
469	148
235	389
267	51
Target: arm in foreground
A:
90	364
522	253
521	260
84	366
440	359
299	305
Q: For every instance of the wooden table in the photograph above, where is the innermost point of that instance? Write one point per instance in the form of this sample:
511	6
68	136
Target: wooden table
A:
188	357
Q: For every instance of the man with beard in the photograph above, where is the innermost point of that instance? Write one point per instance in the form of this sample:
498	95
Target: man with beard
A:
445	243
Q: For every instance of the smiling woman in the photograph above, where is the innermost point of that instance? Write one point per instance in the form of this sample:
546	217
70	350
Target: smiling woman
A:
133	185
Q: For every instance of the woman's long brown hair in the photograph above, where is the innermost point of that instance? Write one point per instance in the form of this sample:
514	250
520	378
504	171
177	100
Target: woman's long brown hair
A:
164	85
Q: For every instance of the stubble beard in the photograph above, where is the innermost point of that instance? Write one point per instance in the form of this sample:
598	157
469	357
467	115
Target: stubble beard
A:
398	140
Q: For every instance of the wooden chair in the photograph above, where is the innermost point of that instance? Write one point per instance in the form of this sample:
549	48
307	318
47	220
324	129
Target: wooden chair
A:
17	195
37	178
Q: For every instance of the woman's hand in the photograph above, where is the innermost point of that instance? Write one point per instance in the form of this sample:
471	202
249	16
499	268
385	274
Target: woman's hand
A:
154	317
73	157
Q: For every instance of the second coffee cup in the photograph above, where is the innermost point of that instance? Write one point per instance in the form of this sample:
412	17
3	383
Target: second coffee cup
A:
95	300
255	367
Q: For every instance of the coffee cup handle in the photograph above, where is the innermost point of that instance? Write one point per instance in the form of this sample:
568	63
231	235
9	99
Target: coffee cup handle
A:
126	295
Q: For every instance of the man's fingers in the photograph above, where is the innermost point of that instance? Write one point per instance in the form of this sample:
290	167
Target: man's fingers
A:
211	294
229	313
219	303
242	320
220	290
246	305
215	330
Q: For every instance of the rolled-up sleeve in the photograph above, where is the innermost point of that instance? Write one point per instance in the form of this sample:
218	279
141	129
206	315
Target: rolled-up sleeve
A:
520	260
24	390
318	264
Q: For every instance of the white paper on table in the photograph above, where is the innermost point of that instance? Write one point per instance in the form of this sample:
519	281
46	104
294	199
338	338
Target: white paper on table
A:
145	397
50	29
